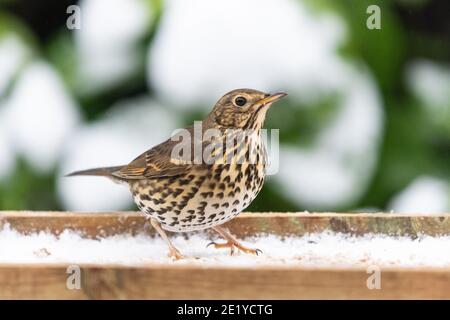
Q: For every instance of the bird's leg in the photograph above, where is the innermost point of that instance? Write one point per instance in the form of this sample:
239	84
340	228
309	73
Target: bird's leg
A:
232	242
173	252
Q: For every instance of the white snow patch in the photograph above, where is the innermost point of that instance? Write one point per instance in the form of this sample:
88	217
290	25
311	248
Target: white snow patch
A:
314	178
313	250
40	115
7	158
338	168
358	124
130	128
13	53
106	42
424	195
430	82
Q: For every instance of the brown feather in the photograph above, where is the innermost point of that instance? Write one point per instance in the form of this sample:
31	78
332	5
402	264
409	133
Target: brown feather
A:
155	163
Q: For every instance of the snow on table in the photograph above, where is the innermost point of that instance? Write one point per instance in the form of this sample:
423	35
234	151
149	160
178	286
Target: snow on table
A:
314	250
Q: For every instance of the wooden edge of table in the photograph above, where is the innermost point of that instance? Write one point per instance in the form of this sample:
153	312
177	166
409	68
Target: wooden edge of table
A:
182	282
27	213
92	224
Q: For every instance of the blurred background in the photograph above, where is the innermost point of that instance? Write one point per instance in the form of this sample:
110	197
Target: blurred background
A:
366	125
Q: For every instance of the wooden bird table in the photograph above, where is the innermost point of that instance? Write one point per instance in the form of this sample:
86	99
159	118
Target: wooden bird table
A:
196	281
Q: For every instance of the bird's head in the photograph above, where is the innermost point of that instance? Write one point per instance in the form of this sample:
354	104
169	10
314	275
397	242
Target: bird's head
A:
242	109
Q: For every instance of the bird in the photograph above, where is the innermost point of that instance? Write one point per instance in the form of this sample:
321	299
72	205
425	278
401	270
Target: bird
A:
206	174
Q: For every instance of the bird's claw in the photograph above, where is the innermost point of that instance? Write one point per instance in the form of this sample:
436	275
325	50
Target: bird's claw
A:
233	246
175	254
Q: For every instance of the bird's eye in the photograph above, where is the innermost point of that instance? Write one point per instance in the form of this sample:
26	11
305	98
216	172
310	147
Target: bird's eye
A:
240	101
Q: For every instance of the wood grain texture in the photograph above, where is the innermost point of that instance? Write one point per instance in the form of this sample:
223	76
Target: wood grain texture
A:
184	282
48	281
246	224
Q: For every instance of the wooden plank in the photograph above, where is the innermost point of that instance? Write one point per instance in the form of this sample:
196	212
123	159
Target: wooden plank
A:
182	282
48	281
246	224
91	225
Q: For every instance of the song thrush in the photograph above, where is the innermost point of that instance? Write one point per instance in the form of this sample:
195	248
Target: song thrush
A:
206	179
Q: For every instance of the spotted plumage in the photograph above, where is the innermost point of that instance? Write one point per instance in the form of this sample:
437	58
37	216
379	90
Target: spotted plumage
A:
183	190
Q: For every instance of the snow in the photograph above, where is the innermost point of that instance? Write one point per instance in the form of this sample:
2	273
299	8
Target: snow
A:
13	53
313	177
39	115
7	160
337	169
425	194
314	250
430	82
106	43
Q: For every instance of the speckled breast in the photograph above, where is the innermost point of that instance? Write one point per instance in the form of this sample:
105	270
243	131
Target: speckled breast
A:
206	196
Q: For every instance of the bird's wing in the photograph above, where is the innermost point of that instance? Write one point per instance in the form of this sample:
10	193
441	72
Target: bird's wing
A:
155	163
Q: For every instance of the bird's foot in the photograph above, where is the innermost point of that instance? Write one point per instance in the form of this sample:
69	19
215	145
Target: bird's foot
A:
175	254
233	245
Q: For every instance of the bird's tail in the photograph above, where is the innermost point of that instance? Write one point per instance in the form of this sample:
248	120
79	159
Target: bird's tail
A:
102	172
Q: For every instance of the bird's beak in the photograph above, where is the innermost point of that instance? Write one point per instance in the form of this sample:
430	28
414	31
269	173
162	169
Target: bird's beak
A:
271	99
